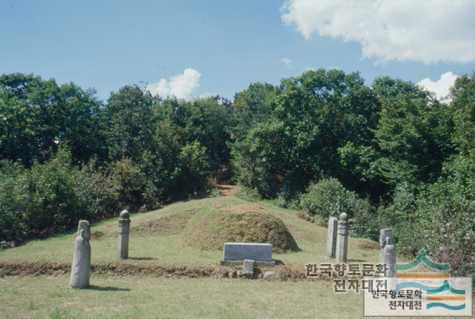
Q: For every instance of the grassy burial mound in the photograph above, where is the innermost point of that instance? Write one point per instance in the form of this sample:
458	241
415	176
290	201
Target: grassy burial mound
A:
210	230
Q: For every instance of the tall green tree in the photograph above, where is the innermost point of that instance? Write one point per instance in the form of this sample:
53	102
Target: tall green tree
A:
463	103
313	116
37	115
130	123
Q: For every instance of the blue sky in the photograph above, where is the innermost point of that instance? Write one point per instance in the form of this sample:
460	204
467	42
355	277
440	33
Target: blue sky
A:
226	45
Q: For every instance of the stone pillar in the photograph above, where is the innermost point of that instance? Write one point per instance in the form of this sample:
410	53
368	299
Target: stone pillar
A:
383	233
81	266
124	228
331	237
389	258
342	239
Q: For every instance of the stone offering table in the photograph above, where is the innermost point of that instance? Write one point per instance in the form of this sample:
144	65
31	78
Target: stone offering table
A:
236	253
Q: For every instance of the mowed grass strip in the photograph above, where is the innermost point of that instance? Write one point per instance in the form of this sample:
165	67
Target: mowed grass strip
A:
144	297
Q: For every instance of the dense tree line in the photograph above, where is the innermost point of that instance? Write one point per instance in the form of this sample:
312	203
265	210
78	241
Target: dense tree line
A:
387	153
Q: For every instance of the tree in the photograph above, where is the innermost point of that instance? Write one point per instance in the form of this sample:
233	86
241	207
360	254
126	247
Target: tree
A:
253	105
207	121
130	123
313	115
38	115
463	103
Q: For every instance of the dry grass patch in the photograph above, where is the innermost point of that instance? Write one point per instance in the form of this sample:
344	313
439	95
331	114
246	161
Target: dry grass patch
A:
164	225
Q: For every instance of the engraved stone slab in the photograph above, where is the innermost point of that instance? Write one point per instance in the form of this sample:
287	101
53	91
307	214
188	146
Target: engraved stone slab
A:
261	253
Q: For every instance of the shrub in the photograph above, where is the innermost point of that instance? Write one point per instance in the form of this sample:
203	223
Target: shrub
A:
130	182
446	214
328	198
52	197
11	226
45	197
97	193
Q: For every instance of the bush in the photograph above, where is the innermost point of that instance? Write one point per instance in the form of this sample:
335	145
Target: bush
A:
445	218
45	197
130	182
52	197
328	198
10	226
97	192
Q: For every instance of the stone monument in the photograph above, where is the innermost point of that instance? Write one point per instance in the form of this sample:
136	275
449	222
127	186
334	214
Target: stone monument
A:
124	229
389	258
383	233
385	238
342	239
236	253
81	266
331	239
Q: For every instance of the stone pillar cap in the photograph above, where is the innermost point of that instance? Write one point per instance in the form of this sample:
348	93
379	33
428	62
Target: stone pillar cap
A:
343	216
124	214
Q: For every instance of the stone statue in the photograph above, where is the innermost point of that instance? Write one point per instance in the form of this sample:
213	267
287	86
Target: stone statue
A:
81	267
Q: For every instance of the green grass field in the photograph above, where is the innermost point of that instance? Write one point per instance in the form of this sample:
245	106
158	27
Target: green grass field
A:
165	244
139	297
157	238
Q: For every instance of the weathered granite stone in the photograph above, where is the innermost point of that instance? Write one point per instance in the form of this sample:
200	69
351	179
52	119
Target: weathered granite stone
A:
81	266
270	275
248	266
124	229
261	253
342	239
383	233
389	258
331	239
385	238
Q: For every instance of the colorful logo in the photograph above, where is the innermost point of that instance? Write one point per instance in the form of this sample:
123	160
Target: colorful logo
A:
422	287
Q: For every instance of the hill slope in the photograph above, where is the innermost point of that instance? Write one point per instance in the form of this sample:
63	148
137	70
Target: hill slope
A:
157	238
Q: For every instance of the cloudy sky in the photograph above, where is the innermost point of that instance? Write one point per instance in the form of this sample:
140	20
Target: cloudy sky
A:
192	48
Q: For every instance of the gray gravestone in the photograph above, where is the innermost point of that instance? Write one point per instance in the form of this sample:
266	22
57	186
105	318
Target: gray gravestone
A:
248	267
342	239
389	258
81	266
331	238
124	229
261	253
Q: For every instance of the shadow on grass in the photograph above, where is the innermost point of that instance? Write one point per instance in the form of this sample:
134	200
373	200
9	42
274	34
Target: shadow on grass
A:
99	288
142	258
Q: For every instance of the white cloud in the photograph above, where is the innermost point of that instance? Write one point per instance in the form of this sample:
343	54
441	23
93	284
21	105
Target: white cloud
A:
180	86
440	87
426	31
286	61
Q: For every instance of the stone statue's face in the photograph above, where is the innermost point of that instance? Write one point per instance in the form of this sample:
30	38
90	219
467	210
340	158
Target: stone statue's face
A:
84	230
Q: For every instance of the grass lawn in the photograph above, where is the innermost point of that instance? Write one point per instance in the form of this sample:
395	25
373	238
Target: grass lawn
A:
141	297
157	238
165	244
